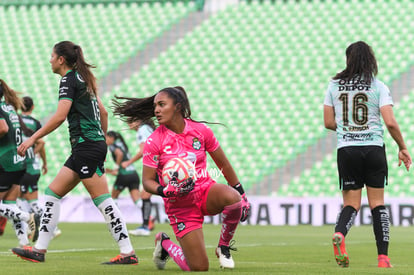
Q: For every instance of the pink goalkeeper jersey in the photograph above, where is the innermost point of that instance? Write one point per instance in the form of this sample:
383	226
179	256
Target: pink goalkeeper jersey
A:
192	143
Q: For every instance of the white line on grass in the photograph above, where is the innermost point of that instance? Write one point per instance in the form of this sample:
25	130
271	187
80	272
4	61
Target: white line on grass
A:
136	248
151	247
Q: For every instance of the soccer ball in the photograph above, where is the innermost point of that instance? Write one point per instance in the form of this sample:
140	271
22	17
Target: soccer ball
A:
182	168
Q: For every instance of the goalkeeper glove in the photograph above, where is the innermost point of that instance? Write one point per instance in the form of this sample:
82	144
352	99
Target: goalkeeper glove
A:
173	189
245	202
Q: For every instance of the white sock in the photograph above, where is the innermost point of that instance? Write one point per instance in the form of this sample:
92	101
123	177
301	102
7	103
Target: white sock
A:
153	211
116	225
11	211
138	204
35	207
50	219
20	227
23	204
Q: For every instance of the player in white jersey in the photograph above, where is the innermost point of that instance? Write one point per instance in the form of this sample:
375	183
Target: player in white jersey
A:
353	106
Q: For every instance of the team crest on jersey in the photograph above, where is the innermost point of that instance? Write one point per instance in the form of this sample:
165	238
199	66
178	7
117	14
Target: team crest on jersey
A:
196	144
7	108
155	158
181	226
79	77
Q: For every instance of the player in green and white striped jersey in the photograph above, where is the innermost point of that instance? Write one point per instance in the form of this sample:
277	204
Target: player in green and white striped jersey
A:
28	184
80	104
12	165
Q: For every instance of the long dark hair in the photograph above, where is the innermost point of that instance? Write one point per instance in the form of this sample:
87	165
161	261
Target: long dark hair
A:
360	62
27	103
134	109
12	97
117	136
150	123
73	55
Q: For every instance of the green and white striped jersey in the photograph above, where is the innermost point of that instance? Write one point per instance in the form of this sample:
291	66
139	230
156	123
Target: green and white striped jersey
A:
32	161
126	156
84	116
10	161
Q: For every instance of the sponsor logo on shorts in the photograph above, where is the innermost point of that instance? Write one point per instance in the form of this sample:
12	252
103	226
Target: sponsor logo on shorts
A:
181	226
349	182
84	170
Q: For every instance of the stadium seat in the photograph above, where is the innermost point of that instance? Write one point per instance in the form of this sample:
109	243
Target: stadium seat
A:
265	78
109	34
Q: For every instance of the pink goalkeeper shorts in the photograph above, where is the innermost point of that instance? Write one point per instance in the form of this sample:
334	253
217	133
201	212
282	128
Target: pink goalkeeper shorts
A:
187	213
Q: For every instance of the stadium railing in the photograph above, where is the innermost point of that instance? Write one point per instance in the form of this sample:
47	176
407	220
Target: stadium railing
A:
199	3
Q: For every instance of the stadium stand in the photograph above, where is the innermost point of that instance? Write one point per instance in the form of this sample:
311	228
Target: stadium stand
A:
259	67
319	180
266	78
110	34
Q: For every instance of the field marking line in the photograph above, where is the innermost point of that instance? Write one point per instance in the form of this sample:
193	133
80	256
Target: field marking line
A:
151	247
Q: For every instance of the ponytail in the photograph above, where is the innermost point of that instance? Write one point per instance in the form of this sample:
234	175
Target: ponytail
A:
134	109
117	136
150	123
12	97
83	69
142	109
1	89
27	104
74	59
26	130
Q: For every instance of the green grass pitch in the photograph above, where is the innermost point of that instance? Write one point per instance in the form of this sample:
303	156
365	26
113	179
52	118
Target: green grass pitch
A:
261	250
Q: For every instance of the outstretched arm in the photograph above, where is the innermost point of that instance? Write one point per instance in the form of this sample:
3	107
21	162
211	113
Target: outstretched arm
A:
137	156
54	122
39	145
118	159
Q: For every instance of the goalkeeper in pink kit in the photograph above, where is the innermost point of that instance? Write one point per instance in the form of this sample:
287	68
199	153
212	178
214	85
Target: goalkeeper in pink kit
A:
180	136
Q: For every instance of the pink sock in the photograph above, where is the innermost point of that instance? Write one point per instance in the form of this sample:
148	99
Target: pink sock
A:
176	253
231	218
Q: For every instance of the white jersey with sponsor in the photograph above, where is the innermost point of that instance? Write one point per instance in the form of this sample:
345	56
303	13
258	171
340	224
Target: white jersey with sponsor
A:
357	110
144	131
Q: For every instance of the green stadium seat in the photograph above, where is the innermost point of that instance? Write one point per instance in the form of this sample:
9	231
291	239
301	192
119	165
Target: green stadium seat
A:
264	78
